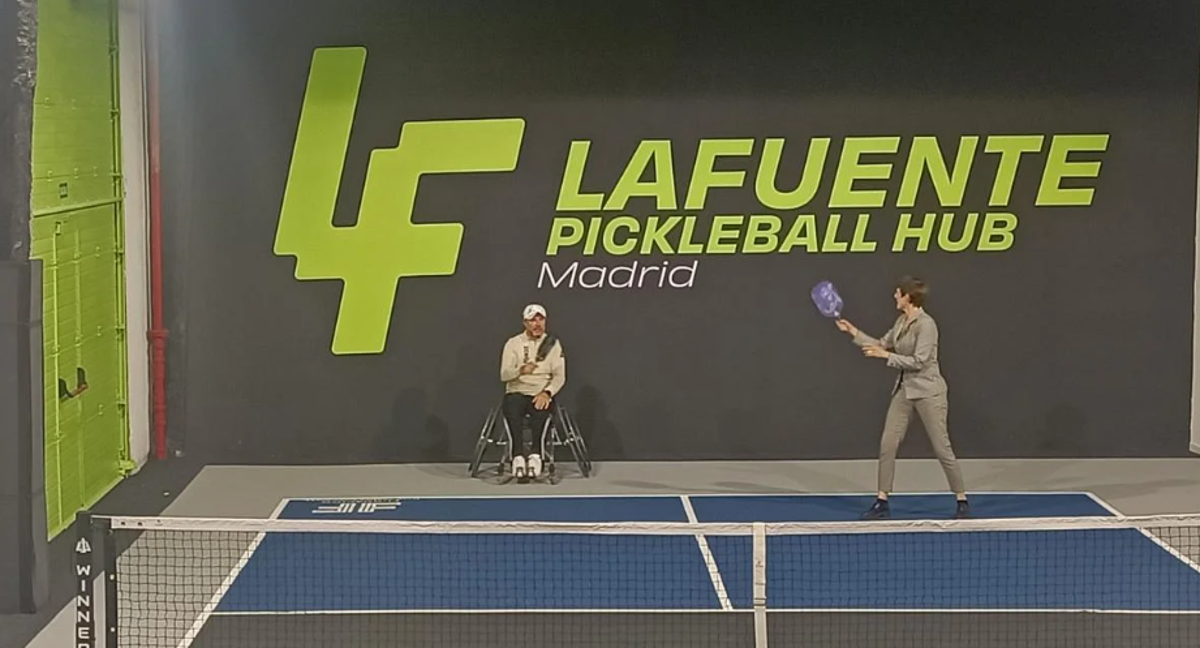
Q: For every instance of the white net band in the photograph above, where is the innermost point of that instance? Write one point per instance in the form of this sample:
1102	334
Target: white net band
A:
653	528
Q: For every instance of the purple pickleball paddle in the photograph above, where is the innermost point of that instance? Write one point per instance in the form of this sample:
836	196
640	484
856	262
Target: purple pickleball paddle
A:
827	299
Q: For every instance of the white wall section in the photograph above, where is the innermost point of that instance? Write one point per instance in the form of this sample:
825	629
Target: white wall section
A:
137	275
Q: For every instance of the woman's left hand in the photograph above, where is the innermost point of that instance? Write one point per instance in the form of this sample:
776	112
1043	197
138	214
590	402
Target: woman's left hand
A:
874	351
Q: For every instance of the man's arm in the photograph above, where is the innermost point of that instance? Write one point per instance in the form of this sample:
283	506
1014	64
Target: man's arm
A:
510	362
558	370
927	339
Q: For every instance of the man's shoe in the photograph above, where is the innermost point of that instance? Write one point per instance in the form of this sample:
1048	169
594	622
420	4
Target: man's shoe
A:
519	470
962	511
535	466
878	511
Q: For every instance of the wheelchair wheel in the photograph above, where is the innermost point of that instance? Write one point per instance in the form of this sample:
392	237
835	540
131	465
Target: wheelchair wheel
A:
583	449
549	443
485	440
575	441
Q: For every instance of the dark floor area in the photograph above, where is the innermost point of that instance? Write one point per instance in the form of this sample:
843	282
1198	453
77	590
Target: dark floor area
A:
500	630
147	493
701	630
982	630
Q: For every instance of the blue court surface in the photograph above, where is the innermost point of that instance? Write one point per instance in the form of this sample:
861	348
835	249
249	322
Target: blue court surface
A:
1118	570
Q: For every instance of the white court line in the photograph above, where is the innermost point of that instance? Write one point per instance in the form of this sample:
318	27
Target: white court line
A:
371	498
284	613
713	572
268	613
1153	538
215	600
980	611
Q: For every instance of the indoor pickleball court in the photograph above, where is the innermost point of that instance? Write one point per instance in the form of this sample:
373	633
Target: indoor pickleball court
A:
1033	569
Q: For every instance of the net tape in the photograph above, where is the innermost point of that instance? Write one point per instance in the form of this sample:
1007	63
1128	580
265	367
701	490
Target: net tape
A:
185	524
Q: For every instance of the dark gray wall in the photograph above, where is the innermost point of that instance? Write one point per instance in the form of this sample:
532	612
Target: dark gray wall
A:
8	52
23	546
1076	341
18	66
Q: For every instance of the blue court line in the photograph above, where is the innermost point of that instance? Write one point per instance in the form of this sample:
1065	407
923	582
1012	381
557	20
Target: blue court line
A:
1094	569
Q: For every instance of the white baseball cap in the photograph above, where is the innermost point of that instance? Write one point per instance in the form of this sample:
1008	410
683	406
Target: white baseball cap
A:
534	309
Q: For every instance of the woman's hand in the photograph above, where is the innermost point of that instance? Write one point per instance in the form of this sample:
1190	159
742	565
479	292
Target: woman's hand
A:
846	327
873	351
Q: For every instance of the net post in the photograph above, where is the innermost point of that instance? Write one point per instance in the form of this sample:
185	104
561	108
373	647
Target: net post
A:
85	621
110	583
760	585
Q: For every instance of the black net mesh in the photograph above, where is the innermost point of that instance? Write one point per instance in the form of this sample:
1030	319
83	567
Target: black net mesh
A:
1064	583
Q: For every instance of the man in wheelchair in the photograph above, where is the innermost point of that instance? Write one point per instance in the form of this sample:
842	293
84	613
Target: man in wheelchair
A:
533	369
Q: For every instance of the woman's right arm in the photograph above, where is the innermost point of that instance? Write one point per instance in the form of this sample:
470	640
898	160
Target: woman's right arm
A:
863	340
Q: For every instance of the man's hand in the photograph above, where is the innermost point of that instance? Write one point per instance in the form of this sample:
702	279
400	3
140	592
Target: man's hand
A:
874	351
846	327
528	368
542	400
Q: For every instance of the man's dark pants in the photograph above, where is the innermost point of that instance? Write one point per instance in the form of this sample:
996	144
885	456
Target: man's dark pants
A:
516	408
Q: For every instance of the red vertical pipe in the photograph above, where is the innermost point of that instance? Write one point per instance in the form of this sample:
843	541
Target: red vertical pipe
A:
158	331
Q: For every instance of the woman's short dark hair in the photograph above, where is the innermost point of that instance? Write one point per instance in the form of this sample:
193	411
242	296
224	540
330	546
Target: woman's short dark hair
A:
914	289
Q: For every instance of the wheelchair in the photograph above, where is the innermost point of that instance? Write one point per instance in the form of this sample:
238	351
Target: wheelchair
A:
559	430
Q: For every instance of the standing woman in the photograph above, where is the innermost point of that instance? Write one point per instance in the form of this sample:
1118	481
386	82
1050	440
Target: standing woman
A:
911	346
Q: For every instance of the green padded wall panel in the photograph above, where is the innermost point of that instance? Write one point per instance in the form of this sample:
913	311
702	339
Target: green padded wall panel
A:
77	226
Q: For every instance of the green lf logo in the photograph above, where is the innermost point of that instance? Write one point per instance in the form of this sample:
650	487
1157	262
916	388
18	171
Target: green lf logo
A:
384	245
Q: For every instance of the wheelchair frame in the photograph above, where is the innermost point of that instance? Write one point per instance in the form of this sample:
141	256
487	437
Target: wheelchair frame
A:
558	430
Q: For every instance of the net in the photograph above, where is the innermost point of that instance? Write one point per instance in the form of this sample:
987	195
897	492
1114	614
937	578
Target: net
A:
1071	582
